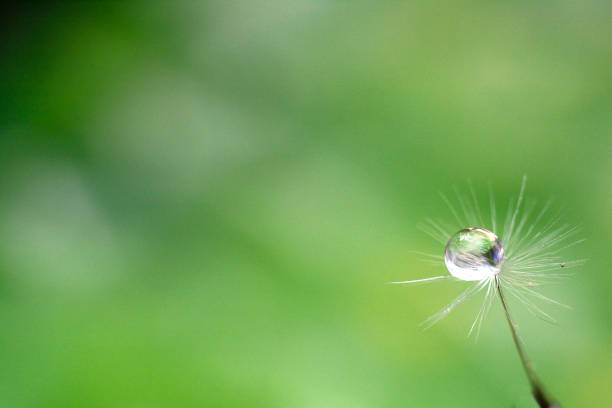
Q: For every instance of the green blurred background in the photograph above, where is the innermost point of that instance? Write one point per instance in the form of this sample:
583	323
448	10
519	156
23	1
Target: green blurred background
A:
201	202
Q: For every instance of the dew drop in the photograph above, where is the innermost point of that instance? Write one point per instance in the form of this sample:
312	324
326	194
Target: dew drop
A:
474	254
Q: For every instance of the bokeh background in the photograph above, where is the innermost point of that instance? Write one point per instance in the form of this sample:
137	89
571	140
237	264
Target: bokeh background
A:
201	202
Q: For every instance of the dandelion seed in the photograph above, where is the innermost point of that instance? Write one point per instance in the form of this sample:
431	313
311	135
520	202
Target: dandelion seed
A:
517	263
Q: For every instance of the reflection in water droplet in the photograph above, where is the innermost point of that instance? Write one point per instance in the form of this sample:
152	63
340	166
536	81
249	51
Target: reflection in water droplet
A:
474	254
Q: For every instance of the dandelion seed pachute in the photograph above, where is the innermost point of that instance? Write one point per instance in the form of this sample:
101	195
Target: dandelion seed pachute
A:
522	258
518	263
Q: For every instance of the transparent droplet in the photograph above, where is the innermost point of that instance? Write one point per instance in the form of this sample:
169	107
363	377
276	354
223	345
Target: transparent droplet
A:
474	254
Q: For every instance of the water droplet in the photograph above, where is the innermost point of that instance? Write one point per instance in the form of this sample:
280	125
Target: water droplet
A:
474	254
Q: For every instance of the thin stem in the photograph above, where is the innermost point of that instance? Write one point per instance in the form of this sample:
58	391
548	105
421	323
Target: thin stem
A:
543	400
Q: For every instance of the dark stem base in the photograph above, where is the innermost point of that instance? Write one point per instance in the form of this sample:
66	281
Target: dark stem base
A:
539	394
